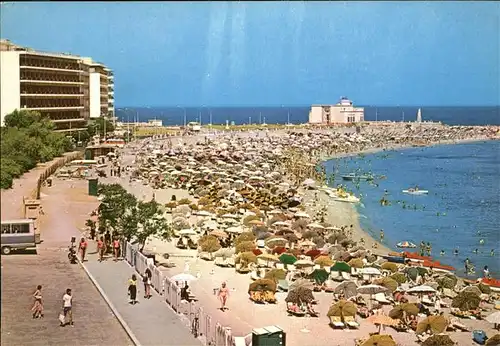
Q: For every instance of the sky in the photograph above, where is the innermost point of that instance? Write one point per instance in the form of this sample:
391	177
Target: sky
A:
276	53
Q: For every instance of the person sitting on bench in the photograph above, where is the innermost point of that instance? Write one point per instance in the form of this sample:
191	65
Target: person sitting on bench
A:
185	293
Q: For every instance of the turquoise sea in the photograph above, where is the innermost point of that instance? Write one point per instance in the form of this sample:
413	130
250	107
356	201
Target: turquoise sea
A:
462	207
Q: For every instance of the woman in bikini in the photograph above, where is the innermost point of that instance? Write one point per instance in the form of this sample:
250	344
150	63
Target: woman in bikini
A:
223	295
37	308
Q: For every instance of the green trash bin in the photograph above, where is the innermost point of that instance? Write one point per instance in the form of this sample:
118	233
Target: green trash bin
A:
268	336
93	187
89	155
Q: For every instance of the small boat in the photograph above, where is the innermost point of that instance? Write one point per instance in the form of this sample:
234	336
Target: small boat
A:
354	176
406	245
416	191
493	283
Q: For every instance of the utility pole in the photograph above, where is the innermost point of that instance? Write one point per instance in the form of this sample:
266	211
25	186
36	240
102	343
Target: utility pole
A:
260	118
210	117
288	117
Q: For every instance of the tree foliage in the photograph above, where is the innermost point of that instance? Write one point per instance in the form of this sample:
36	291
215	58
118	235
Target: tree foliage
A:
124	214
27	139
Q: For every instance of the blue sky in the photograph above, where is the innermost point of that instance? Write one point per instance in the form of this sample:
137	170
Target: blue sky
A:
274	53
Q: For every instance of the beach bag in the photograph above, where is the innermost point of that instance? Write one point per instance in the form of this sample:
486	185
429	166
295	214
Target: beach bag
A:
61	317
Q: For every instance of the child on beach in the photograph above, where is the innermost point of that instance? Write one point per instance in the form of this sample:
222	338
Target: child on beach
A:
223	295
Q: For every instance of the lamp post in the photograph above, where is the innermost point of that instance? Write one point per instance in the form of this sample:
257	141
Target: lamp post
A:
185	117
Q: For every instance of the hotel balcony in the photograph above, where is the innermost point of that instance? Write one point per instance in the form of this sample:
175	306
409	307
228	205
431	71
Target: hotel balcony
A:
68	120
49	69
49	62
55	108
49	82
52	95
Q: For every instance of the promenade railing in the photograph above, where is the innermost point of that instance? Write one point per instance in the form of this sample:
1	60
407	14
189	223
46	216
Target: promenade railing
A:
209	331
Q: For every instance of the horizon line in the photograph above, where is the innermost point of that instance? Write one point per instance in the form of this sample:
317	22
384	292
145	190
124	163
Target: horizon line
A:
302	106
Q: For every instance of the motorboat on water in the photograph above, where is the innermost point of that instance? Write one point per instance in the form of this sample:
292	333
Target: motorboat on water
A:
354	176
348	199
415	191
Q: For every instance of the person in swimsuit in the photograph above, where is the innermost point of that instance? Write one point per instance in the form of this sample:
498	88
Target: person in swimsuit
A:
116	248
83	248
37	308
223	295
101	248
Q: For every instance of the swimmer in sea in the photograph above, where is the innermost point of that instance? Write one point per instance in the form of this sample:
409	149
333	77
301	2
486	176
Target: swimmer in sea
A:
481	242
455	252
475	251
442	253
492	252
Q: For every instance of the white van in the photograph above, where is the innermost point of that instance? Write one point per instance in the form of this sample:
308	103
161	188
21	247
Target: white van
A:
18	234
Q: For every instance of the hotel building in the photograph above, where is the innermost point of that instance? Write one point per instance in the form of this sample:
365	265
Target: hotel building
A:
342	112
68	89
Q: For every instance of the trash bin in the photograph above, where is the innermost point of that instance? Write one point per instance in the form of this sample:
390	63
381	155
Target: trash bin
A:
268	336
93	187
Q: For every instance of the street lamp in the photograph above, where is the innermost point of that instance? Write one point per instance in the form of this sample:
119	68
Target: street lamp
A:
185	117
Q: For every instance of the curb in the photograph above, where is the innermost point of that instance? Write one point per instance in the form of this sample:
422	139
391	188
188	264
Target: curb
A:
111	306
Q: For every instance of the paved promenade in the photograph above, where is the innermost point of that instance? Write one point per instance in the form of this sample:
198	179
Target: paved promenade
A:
151	320
65	208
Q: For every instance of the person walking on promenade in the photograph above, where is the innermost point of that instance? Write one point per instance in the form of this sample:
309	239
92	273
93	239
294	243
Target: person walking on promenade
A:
37	308
146	279
101	248
116	248
223	295
67	308
82	247
132	289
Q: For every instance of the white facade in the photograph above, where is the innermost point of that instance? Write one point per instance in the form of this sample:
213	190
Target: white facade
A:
343	112
10	86
95	94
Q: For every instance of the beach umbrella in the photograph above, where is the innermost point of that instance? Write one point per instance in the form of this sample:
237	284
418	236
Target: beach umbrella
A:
356	263
257	252
275	274
466	301
255	223
183	277
262	285
493	341
436	324
484	288
472	289
400	278
421	289
224	252
246	257
301	214
399	310
342	309
372	289
412	273
287	258
268	257
276	240
219	233
392	267
494	318
313	253
340	267
235	230
203	213
388	283
187	232
319	275
447	281
438	340
370	271
315	225
379	340
300	295
382	320
323	261
349	288
307	243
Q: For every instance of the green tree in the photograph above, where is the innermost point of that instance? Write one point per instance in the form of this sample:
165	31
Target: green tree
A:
115	204
27	139
98	125
151	222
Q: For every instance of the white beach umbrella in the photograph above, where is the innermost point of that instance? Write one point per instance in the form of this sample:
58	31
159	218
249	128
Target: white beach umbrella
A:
304	263
204	213
183	277
315	225
302	214
421	289
281	223
275	212
369	271
210	224
230	216
187	232
494	317
236	230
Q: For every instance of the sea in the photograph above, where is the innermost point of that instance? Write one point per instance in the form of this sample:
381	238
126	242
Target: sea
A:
461	210
463	204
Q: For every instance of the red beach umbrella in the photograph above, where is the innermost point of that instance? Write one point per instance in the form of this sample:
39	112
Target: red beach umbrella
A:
313	253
